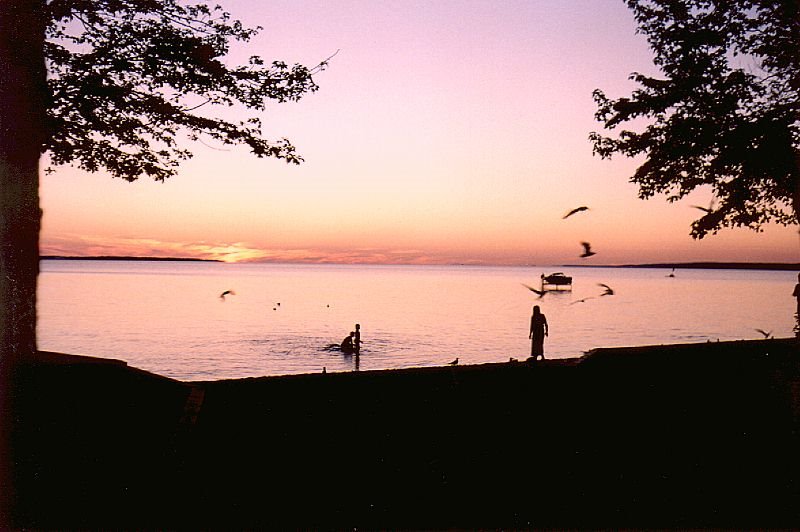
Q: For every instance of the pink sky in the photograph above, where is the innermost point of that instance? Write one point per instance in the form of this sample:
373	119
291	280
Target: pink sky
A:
443	132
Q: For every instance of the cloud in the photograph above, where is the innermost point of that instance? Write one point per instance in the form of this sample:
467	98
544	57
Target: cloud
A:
88	246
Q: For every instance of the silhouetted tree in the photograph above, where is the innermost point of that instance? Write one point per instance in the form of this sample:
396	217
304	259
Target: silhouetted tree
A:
22	132
127	79
724	113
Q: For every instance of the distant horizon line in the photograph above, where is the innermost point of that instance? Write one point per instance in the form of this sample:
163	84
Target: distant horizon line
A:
729	265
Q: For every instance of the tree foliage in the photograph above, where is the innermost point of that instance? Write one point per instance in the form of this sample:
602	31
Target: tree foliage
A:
725	113
129	79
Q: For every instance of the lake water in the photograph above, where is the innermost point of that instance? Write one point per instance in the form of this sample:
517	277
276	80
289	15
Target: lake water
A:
168	318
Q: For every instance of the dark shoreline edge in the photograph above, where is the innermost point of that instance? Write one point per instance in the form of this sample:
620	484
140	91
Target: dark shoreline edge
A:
700	435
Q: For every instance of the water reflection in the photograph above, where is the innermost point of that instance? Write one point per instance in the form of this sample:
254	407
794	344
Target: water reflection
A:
412	316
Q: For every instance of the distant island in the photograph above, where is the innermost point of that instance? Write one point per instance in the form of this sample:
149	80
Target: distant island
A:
110	257
781	266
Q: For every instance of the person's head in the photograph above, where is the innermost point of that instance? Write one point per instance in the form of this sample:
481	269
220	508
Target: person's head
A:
352	333
536	310
358	326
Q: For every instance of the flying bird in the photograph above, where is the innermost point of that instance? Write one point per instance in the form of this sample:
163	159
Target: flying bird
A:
587	250
609	291
708	209
540	293
765	333
454	362
581	300
575	210
226	293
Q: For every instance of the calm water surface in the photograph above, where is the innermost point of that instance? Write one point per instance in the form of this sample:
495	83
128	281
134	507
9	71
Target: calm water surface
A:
168	317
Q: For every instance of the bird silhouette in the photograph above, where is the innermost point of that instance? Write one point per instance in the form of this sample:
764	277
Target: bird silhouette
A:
454	362
587	250
609	291
581	300
574	211
226	293
672	274
540	293
765	333
708	209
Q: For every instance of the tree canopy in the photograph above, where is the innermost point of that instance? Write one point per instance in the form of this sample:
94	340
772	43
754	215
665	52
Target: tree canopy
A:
129	78
725	113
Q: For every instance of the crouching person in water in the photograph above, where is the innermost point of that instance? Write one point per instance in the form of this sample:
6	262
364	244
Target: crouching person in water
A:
347	345
537	333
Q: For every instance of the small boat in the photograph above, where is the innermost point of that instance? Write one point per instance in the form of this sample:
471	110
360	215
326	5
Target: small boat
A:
556	281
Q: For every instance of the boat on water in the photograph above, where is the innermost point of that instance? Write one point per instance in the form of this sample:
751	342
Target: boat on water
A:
556	281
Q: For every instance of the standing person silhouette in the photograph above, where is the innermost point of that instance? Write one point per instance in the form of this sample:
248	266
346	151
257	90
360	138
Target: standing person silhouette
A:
796	294
537	333
357	339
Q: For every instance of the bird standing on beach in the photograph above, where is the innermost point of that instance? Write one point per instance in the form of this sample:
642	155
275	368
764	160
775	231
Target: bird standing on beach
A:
574	211
587	250
540	293
226	293
609	291
454	362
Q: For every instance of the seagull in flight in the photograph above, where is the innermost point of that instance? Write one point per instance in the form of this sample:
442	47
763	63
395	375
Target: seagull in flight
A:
574	211
540	293
587	250
454	362
765	333
226	293
708	209
609	291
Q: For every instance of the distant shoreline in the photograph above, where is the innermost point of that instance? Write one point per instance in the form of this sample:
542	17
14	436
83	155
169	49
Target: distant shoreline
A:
775	266
120	258
778	266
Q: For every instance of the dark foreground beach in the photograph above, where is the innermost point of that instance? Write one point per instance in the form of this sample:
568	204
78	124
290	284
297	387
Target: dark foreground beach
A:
693	435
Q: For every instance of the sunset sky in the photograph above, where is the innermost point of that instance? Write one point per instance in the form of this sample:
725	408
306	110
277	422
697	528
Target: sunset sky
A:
443	132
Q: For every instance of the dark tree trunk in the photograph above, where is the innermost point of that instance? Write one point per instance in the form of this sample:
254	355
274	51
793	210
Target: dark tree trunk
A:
22	129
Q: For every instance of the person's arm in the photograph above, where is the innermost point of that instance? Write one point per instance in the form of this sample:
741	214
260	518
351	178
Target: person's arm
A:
530	333
546	328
